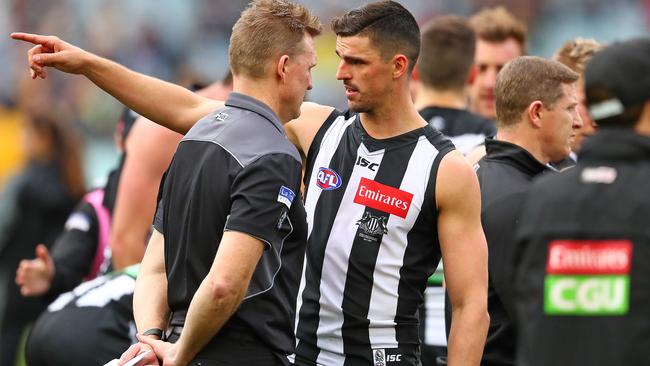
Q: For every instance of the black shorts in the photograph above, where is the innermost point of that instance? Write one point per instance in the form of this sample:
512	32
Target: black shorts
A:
233	348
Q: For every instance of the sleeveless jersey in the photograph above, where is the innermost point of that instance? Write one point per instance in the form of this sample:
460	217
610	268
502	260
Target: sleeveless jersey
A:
372	243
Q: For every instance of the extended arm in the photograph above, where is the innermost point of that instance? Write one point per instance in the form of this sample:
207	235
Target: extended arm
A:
168	104
464	253
149	151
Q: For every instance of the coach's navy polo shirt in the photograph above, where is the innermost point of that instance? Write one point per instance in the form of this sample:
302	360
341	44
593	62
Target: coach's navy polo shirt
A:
236	170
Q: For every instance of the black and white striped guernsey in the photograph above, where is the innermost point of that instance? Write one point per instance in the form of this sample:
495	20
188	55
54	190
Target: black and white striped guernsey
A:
372	243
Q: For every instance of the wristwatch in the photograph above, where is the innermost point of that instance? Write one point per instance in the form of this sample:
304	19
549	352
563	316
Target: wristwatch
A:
154	332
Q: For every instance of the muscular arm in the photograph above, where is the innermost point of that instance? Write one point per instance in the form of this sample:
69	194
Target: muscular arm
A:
149	151
168	104
464	253
150	308
220	292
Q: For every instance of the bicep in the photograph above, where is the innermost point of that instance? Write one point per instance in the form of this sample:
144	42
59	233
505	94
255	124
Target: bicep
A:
464	249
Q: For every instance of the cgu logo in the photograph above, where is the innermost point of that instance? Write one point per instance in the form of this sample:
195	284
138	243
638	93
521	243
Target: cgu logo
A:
602	295
362	162
327	179
588	277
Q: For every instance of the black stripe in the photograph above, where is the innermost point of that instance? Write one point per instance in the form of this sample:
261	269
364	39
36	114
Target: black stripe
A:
361	265
324	214
422	254
314	148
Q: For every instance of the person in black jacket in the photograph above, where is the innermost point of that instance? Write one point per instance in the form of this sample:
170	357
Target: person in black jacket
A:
536	120
45	193
583	271
81	251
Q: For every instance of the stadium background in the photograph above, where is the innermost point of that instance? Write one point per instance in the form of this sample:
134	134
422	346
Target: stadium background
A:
186	41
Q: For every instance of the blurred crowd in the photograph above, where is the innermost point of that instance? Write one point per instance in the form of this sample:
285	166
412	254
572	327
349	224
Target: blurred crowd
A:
186	42
43	125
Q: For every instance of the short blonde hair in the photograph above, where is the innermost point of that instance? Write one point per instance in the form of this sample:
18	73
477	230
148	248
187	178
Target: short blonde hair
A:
268	29
498	25
526	79
576	53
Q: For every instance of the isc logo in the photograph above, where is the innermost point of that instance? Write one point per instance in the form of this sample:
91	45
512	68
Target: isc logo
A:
393	358
327	179
366	164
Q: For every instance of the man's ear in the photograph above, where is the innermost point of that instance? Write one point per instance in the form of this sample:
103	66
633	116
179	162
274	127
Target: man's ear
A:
282	67
400	65
534	113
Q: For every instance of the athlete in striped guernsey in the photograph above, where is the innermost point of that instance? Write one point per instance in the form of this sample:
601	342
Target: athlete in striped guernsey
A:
385	194
369	254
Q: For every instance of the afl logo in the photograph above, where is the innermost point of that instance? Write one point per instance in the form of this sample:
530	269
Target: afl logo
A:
327	179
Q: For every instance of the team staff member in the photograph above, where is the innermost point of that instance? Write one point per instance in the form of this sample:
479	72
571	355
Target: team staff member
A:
583	278
150	148
230	220
428	207
536	118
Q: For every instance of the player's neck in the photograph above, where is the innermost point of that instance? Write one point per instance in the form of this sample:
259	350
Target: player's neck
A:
427	97
396	116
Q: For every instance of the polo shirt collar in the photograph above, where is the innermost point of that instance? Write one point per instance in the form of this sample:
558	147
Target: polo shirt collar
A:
243	101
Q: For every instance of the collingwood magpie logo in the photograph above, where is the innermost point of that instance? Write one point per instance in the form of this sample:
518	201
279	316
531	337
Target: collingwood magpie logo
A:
373	225
379	357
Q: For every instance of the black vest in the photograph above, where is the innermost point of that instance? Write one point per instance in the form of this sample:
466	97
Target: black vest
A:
583	266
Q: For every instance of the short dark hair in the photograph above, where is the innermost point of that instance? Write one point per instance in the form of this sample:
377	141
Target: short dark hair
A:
447	55
390	27
526	79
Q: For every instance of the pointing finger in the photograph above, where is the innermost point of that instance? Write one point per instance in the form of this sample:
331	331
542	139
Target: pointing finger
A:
47	41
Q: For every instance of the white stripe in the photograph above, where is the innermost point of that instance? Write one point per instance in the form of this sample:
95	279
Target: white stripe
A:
328	146
112	290
333	137
467	142
390	259
434	301
337	254
301	288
